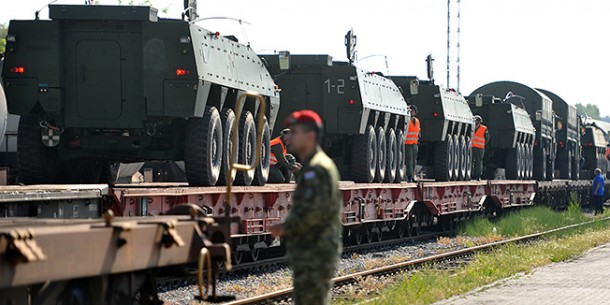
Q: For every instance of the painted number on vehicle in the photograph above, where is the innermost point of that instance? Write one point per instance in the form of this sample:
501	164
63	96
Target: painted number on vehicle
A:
339	86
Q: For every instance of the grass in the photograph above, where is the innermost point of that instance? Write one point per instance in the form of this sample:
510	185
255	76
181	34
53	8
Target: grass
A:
431	284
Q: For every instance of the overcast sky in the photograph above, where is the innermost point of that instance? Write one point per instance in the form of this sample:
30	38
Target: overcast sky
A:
559	45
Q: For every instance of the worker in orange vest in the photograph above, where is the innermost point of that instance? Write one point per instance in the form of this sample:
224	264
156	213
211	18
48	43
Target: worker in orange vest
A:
411	141
480	138
282	163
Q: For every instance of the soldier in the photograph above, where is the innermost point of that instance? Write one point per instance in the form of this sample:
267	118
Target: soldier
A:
282	163
481	136
597	190
312	229
411	144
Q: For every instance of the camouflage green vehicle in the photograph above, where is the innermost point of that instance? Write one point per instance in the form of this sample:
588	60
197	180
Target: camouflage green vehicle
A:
116	83
540	108
567	137
511	133
447	126
364	113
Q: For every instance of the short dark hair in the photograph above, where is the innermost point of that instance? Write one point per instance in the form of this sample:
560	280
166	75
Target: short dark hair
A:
311	126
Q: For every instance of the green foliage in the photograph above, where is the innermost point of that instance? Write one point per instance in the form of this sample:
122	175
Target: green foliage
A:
3	31
588	109
523	222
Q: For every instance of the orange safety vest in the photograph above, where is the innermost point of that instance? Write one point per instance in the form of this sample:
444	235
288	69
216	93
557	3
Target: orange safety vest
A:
413	132
478	141
607	152
272	157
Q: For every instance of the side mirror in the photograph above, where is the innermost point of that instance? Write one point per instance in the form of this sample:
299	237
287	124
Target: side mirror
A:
478	100
284	59
414	87
538	115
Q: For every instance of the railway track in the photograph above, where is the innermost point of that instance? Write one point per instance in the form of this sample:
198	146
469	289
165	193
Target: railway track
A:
285	295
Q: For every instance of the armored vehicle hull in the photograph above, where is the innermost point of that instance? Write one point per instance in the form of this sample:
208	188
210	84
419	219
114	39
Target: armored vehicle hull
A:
539	107
364	113
447	126
114	83
511	137
567	137
594	144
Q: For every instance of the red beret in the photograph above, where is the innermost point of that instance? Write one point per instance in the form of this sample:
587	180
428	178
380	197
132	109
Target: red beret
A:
303	116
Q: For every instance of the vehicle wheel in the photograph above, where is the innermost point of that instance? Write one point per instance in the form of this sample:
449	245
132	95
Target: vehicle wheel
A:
261	173
255	254
529	161
238	256
462	158
550	169
443	160
512	164
227	118
565	165
468	170
391	156
247	144
540	165
575	168
522	166
382	155
364	156
203	149
401	169
37	163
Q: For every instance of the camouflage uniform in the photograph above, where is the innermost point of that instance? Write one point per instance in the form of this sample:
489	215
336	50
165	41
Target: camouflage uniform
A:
313	230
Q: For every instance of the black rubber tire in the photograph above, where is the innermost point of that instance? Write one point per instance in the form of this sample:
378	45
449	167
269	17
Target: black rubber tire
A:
401	170
203	149
381	154
364	156
391	156
247	144
443	160
462	150
227	119
575	168
511	169
468	171
261	174
37	163
522	168
565	164
530	160
540	164
550	170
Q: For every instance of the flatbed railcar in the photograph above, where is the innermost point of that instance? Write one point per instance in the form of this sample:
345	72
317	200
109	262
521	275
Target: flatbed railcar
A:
372	211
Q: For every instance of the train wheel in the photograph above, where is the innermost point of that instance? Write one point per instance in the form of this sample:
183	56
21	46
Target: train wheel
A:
444	160
512	164
247	144
364	156
261	174
203	149
255	254
358	237
238	257
468	171
382	155
462	158
391	166
401	169
228	119
540	164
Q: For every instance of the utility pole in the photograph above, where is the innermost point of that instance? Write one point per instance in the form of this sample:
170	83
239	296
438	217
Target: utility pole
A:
453	44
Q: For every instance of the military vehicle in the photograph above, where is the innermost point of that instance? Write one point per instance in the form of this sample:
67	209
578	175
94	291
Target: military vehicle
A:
447	126
567	137
364	113
3	110
511	135
540	107
594	144
115	83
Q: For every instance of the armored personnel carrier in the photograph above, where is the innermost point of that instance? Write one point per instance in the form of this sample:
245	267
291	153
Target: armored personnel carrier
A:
594	144
567	137
116	83
511	135
364	113
540	107
447	126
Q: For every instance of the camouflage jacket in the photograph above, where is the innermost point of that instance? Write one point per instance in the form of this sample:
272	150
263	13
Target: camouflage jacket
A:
313	225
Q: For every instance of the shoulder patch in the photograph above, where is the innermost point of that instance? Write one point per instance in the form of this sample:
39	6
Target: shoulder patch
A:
309	175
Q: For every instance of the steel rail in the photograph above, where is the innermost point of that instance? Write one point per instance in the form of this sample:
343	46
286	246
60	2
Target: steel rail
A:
285	294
